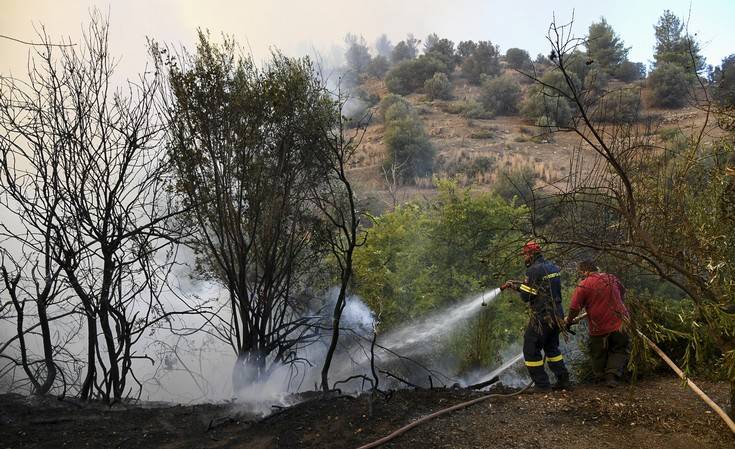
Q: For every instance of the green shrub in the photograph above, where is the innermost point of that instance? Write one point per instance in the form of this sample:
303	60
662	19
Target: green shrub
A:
484	60
378	67
442	49
723	80
517	59
410	75
669	85
500	96
390	100
620	106
408	145
438	87
546	105
630	71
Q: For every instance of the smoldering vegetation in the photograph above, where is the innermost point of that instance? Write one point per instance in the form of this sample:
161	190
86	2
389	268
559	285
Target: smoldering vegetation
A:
190	235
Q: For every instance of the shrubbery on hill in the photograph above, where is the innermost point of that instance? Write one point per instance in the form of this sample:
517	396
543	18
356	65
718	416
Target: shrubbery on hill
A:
438	87
409	76
670	85
409	148
546	105
378	67
500	96
483	59
620	106
517	59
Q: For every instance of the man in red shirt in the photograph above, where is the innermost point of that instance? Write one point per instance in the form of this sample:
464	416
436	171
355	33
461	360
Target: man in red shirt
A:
601	295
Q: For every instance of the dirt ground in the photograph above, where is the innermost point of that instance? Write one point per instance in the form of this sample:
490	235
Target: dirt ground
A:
658	413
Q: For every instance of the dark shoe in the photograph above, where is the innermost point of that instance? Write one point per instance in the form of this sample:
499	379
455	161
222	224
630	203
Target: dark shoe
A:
610	381
540	389
562	385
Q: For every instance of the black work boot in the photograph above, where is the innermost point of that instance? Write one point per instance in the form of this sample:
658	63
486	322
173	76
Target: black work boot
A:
610	380
562	383
543	388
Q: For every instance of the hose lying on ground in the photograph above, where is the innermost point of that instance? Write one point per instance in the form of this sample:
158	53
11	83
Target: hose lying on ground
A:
690	384
437	414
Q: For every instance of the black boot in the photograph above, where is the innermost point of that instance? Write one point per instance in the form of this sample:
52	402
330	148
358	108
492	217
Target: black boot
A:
563	383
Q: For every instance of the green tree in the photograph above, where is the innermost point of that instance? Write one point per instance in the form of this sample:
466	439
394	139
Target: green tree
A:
484	60
378	67
517	59
246	146
501	95
674	46
465	49
422	257
670	85
408	146
438	87
357	54
723	80
442	49
384	46
405	49
410	75
630	71
605	48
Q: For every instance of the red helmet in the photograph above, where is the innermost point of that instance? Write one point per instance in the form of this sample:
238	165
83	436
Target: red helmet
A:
531	248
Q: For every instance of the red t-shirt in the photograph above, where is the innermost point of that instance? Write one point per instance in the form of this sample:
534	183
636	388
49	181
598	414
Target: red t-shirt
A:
601	294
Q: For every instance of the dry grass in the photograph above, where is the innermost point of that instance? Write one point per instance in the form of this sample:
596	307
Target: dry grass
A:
474	150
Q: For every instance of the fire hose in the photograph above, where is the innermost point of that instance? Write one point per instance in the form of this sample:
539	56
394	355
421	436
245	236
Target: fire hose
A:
423	419
702	395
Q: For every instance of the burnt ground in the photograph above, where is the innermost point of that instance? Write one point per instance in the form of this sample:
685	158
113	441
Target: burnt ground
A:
656	413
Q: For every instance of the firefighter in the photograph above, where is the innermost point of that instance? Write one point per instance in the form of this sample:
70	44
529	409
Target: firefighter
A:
601	295
542	291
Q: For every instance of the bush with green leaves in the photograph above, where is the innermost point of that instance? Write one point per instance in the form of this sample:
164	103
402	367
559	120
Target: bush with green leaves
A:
357	54
442	49
378	67
546	103
500	96
483	60
390	100
619	106
723	82
630	71
405	50
517	59
409	148
669	85
422	257
438	87
410	75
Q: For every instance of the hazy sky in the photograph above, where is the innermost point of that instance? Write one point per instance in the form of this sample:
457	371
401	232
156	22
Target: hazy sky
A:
295	26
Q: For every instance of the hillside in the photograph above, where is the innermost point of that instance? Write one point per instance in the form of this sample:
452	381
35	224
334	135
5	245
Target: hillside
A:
475	151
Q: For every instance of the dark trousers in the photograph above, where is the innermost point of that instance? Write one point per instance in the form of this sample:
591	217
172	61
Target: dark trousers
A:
609	353
539	340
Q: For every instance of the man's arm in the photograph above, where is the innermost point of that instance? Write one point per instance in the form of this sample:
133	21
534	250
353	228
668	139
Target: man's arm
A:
578	301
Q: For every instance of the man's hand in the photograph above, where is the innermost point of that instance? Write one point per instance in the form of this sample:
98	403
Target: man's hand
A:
568	327
508	284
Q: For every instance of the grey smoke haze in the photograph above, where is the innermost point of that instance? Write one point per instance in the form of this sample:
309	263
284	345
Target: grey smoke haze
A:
298	27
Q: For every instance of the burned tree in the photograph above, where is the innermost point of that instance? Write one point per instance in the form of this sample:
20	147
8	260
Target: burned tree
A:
84	176
335	198
245	145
